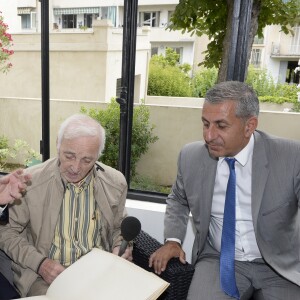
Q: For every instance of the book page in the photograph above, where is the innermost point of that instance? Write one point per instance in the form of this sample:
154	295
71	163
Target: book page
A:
103	275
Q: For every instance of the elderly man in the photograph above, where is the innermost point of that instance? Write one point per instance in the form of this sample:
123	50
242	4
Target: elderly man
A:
74	204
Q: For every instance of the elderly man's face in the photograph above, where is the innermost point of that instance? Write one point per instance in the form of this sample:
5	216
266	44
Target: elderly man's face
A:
77	157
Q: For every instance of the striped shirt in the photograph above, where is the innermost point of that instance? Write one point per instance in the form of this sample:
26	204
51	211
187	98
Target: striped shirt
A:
77	228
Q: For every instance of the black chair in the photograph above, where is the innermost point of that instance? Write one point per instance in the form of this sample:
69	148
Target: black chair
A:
177	274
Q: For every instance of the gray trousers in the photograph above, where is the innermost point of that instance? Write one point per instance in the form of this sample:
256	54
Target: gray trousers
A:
255	280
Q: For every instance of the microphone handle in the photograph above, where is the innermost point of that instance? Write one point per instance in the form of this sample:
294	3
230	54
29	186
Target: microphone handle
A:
4	217
122	248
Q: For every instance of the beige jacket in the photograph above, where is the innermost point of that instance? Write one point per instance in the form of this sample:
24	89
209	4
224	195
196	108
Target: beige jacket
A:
28	236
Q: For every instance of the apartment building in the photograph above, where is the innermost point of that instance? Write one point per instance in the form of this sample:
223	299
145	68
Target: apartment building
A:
64	15
276	52
154	14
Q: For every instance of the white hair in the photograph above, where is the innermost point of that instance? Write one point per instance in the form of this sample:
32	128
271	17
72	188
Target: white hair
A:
79	125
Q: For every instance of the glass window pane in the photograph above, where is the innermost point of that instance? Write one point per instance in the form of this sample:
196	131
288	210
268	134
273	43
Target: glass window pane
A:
25	20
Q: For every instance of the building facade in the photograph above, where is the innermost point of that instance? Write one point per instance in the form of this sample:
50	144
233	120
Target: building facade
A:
277	52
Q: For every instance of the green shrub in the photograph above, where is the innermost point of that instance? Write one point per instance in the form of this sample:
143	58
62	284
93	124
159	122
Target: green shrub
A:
185	68
203	80
296	107
142	132
269	91
168	81
172	57
288	91
275	99
261	82
145	183
20	153
167	77
4	150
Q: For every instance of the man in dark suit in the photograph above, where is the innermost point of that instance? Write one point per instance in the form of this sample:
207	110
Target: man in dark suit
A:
266	228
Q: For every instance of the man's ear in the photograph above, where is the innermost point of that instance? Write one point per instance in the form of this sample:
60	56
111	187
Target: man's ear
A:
251	125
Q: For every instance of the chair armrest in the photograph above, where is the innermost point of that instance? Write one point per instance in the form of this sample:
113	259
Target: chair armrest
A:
177	274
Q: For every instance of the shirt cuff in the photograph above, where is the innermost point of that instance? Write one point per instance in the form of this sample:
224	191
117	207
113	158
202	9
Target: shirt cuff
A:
38	268
174	240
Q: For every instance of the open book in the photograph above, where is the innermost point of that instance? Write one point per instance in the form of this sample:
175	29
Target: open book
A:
104	276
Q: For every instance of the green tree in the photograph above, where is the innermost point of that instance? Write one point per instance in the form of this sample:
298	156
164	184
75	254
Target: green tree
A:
214	19
5	44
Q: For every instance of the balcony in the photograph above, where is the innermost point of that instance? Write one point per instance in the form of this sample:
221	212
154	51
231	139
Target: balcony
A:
161	34
283	49
287	45
27	3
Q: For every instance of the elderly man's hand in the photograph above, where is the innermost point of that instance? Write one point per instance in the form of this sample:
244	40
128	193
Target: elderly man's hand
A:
127	254
50	269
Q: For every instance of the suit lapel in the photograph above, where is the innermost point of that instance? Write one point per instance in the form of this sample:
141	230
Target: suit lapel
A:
206	186
209	182
260	173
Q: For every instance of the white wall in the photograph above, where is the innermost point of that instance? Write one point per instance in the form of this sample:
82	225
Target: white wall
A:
9	9
92	64
86	3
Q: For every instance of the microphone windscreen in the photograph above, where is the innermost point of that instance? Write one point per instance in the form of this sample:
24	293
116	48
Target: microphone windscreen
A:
130	228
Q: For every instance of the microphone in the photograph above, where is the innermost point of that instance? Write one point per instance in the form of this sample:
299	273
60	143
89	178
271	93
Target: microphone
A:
130	228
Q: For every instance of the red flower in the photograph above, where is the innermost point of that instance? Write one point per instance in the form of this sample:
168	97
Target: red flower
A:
5	44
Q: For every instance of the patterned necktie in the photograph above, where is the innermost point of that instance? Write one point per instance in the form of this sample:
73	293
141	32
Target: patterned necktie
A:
227	273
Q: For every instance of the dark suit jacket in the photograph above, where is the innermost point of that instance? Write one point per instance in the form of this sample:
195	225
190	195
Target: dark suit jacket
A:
275	200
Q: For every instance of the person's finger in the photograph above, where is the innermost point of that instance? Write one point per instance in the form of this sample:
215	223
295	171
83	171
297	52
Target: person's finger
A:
182	257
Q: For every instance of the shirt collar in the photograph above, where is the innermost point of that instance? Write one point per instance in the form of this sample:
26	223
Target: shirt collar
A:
82	184
245	154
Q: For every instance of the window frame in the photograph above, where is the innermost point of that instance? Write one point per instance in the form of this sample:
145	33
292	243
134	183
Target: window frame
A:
127	86
88	20
66	20
256	54
26	20
152	21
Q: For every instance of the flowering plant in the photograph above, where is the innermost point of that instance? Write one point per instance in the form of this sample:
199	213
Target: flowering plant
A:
5	44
